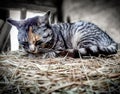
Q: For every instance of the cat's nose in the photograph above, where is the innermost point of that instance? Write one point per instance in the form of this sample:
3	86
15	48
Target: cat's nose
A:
32	48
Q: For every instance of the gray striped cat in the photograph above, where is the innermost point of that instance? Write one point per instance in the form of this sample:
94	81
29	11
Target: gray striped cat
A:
37	35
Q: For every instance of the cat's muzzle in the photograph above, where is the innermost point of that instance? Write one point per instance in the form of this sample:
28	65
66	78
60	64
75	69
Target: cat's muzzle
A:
32	48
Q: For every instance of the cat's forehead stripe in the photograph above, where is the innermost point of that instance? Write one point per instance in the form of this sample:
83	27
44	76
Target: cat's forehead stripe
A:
32	37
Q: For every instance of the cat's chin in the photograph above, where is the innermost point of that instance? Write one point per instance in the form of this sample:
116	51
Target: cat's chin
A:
33	52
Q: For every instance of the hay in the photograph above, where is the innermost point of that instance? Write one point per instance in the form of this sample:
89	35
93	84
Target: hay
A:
20	74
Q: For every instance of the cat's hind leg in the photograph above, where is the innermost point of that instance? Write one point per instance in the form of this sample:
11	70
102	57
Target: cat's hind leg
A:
76	53
88	51
110	49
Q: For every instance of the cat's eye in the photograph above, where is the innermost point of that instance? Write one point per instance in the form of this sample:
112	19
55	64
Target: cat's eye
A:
25	43
38	42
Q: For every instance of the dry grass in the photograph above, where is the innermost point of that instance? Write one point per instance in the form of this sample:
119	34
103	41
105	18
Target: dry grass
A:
20	74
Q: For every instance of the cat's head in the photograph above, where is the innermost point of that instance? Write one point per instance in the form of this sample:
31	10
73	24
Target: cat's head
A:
34	33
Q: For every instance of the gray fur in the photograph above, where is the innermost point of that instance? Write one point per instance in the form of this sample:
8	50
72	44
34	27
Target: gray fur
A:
82	37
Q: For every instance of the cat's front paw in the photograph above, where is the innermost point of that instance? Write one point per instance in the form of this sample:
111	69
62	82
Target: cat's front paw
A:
50	55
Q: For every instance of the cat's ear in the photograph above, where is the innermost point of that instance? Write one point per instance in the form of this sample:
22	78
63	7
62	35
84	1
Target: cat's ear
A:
13	22
47	14
43	19
47	17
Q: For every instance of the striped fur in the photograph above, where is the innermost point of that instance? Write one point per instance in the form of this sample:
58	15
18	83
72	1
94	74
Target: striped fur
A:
83	38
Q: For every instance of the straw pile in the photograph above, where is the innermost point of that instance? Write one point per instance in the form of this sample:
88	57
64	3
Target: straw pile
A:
20	74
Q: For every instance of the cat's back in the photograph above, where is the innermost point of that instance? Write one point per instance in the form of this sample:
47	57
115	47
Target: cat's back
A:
84	26
75	26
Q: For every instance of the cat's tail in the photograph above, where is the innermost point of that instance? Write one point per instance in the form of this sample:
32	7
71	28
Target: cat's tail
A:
111	49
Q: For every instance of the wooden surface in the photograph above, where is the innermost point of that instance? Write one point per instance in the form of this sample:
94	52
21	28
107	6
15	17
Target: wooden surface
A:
1	23
4	35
